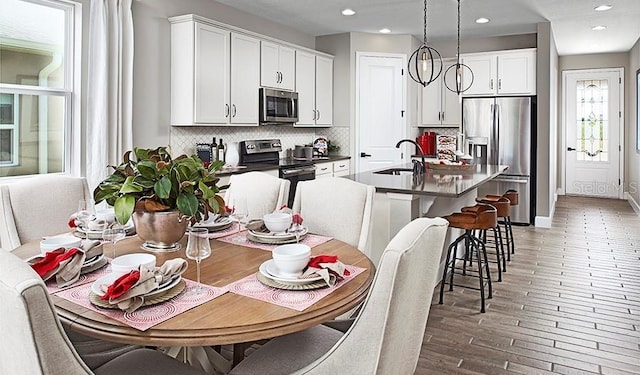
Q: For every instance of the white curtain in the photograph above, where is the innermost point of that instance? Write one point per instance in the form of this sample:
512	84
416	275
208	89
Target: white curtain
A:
110	86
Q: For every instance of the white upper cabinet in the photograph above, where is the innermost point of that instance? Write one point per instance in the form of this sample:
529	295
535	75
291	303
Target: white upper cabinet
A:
277	66
245	78
314	84
214	76
501	73
440	106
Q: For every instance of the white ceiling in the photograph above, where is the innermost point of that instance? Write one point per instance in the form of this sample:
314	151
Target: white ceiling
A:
571	20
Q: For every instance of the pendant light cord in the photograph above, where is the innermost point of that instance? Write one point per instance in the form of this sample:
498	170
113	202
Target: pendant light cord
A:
458	55
424	35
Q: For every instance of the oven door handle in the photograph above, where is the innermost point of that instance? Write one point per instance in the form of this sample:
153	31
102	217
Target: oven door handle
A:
298	171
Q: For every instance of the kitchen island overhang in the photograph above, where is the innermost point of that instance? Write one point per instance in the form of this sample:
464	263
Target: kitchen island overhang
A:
402	197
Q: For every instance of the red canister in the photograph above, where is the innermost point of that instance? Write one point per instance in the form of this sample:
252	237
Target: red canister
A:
427	142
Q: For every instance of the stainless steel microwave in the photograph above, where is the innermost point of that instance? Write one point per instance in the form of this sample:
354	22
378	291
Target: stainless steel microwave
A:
278	107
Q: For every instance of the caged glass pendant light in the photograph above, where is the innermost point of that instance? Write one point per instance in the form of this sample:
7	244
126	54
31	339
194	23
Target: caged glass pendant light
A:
458	68
425	63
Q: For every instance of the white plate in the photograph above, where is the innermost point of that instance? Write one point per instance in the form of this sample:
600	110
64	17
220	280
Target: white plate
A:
110	278
269	270
211	223
284	236
91	261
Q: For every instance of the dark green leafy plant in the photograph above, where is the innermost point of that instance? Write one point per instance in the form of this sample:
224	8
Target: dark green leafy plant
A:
155	182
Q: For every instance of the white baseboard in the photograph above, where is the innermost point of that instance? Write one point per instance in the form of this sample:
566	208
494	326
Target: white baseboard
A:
545	221
633	203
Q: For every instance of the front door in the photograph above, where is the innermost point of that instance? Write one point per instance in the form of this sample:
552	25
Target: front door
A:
593	120
380	103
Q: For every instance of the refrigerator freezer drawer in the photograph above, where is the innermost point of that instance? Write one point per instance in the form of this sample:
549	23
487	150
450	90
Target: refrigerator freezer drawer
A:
520	214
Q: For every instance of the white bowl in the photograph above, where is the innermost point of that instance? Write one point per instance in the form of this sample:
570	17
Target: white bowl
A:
290	260
277	221
52	243
127	263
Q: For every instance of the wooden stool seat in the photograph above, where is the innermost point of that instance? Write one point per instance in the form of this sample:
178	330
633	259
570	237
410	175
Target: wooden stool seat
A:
501	204
512	196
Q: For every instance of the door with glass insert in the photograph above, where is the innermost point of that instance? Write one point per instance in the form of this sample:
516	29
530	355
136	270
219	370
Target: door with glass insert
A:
593	124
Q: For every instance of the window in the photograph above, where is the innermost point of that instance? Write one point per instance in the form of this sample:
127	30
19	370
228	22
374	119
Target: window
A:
39	80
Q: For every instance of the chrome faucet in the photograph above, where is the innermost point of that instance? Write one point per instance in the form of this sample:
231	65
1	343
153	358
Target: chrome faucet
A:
418	167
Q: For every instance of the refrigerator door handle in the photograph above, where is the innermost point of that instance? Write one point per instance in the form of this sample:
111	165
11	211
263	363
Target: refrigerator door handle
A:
495	158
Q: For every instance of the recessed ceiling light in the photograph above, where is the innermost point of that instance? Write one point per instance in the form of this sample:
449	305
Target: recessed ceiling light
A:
482	20
348	12
599	28
385	31
602	8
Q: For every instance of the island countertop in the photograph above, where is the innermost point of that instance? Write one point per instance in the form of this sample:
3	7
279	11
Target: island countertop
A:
451	184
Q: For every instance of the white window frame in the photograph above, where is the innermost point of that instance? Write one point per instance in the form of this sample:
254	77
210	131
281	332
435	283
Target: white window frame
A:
71	90
15	128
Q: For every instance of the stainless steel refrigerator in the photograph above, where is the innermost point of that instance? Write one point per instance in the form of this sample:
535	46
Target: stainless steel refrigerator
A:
501	130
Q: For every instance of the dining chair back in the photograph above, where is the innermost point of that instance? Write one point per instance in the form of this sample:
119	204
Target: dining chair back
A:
38	206
386	337
33	341
337	207
264	193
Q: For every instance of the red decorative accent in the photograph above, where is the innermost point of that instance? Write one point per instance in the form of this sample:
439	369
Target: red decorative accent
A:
72	223
297	219
121	285
52	260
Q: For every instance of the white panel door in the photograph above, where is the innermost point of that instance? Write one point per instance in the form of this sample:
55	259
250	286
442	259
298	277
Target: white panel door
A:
432	103
324	91
517	73
269	75
306	87
287	68
245	79
380	111
593	127
211	75
484	74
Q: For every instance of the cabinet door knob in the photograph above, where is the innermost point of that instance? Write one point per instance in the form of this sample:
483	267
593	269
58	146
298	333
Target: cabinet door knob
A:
226	110
234	110
443	116
318	114
314	114
499	83
491	84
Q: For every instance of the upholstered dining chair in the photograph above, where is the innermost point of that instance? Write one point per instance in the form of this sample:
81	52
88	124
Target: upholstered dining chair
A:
38	206
337	207
33	341
387	335
264	193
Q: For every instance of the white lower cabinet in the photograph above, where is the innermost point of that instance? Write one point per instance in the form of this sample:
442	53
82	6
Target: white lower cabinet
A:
333	169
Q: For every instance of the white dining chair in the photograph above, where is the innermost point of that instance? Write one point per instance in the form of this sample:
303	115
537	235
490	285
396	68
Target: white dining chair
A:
33	341
387	335
263	192
38	206
337	207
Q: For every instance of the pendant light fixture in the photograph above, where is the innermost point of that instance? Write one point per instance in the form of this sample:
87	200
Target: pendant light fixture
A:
425	63
458	68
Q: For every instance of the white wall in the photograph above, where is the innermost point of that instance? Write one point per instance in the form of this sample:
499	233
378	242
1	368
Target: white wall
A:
151	67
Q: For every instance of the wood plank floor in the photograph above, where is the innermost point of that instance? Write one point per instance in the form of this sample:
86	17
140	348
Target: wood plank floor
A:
568	304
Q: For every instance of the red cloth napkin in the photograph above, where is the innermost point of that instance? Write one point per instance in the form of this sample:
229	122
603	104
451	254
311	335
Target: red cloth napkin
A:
52	260
297	219
317	261
121	285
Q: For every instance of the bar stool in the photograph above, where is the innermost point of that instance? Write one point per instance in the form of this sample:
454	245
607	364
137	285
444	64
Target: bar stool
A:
514	198
501	205
478	217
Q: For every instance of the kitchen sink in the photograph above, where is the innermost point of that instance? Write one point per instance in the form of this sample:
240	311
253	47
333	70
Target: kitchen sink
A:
396	171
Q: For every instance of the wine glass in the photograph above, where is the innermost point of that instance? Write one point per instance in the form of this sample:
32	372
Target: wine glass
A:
86	212
297	227
198	248
113	235
240	211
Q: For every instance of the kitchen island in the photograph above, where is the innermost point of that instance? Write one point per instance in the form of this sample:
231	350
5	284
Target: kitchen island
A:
402	197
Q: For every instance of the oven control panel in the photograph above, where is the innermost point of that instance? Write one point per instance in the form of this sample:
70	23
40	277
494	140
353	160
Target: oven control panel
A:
260	146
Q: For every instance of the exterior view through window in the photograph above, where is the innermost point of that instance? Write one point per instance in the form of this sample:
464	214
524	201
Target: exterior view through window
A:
36	86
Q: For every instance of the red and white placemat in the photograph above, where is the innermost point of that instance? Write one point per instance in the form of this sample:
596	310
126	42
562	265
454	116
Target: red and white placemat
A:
146	317
233	228
240	238
294	299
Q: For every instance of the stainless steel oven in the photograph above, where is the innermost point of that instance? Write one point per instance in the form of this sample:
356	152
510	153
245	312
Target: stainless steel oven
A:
278	107
296	172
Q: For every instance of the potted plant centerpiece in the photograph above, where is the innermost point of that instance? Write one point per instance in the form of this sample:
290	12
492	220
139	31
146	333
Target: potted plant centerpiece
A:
162	194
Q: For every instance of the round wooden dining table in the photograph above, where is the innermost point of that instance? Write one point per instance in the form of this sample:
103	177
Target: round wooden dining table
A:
230	318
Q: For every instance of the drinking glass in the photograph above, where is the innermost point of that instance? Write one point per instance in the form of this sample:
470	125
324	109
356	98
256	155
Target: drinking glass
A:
198	248
240	211
85	213
113	235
